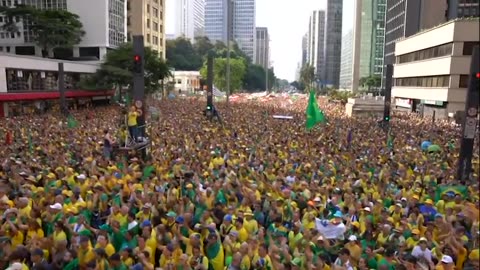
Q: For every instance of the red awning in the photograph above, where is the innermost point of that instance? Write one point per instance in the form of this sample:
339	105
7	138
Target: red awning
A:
53	95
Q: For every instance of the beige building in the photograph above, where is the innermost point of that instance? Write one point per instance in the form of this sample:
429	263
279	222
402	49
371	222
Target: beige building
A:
147	18
186	81
431	68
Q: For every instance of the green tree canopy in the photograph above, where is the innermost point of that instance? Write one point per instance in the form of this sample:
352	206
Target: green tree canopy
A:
51	28
118	66
181	55
237	72
307	75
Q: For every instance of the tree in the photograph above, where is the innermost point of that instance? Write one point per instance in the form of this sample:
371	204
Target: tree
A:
298	85
51	28
181	55
202	46
370	81
307	75
254	79
237	72
117	69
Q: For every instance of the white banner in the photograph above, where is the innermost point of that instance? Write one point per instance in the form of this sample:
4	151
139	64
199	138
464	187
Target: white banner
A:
329	230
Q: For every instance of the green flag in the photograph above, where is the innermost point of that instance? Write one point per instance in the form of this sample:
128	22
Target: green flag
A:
453	190
71	122
314	114
390	140
30	143
147	172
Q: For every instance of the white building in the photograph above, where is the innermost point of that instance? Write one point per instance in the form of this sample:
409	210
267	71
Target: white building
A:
316	43
431	68
262	56
346	67
186	81
104	23
189	18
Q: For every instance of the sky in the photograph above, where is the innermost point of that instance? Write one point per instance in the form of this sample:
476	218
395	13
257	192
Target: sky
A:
287	22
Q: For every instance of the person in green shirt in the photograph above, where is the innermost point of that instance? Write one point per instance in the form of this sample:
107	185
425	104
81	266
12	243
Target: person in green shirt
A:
116	263
387	261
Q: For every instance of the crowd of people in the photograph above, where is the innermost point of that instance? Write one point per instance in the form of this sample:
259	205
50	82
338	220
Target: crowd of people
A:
253	192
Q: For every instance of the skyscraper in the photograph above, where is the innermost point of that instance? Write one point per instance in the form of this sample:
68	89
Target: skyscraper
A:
244	26
189	18
372	37
346	60
333	42
241	23
262	55
104	23
304	49
216	16
463	8
315	54
147	17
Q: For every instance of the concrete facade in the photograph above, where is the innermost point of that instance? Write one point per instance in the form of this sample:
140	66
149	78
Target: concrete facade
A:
147	18
333	42
262	55
432	68
316	43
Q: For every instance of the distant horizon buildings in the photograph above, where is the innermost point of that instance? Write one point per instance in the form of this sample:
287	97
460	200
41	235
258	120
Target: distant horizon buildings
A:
304	50
189	18
262	54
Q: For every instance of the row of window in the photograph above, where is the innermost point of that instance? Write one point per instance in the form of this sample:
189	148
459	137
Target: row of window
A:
430	81
433	52
34	80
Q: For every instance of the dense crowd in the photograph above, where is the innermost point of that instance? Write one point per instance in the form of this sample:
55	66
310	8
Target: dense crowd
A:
254	192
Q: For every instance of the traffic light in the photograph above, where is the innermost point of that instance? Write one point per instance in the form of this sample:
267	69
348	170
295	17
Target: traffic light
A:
209	108
386	118
137	64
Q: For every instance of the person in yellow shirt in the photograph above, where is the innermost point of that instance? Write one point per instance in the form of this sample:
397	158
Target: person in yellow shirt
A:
167	260
132	122
102	242
34	231
198	260
240	230
250	224
85	252
262	259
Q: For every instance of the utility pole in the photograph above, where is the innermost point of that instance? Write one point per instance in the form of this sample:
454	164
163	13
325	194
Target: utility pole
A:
266	78
209	110
229	33
469	126
61	88
388	94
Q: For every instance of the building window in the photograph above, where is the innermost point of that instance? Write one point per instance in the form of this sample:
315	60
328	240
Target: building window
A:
148	23
468	47
128	21
155	26
463	81
155	12
155	40
148	38
430	81
148	9
433	52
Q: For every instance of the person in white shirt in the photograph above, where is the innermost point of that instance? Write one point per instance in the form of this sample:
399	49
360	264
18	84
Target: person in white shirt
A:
343	261
421	252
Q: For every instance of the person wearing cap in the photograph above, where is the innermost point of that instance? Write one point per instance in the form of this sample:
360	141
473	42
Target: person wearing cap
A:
422	252
354	249
38	260
446	263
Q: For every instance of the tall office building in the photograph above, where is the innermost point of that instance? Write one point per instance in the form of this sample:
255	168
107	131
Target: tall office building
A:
241	23
104	23
372	37
147	18
333	42
262	55
346	67
189	18
244	26
405	18
304	49
316	43
217	19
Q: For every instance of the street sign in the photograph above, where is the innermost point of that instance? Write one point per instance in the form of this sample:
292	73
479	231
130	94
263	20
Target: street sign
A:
470	128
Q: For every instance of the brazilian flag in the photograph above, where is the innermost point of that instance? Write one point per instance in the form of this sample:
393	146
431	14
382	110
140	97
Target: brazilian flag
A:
455	190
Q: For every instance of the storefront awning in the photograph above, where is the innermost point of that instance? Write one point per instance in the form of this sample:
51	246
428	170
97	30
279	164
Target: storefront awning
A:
53	95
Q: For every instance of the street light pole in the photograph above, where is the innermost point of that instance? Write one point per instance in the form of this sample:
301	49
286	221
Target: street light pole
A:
229	26
266	78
